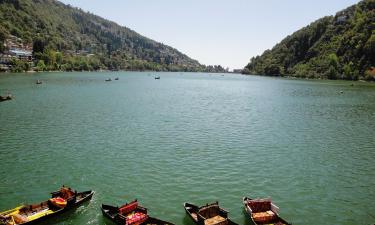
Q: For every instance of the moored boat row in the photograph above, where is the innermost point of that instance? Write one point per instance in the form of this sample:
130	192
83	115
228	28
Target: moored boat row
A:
261	211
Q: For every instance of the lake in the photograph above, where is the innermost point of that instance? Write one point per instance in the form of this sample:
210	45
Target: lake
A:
196	137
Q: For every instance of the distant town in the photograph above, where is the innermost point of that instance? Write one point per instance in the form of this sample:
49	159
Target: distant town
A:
15	49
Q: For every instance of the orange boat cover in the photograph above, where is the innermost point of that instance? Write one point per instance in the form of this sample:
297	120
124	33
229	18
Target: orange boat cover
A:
59	202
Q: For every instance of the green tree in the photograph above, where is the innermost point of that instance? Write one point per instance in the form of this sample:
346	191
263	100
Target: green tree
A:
333	63
370	75
273	70
59	58
41	66
3	36
332	73
348	71
333	60
19	65
302	70
38	47
370	45
50	59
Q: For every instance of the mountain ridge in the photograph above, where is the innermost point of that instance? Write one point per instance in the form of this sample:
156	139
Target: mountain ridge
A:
68	38
334	47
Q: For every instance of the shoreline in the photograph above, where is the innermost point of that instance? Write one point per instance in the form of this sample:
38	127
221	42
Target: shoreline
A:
306	78
104	71
258	75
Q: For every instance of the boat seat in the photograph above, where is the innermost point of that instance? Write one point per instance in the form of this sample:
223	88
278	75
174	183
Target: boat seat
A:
264	217
259	205
66	193
128	208
19	219
216	220
136	218
209	211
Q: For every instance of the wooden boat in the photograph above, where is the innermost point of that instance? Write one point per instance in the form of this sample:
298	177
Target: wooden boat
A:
131	214
61	201
117	78
109	79
209	214
263	211
6	98
157	78
39	82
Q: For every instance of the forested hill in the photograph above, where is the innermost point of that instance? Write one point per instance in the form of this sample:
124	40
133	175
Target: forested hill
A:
67	38
334	47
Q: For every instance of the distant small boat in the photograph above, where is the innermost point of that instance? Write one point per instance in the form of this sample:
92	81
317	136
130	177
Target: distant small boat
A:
157	78
39	82
209	214
131	214
109	79
61	201
6	98
117	78
263	211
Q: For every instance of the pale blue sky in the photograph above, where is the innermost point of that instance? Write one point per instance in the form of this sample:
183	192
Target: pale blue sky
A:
226	32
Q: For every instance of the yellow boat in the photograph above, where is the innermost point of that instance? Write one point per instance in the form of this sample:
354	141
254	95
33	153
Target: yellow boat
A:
30	214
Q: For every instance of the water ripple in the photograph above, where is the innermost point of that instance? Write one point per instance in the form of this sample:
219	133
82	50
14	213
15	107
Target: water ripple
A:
190	137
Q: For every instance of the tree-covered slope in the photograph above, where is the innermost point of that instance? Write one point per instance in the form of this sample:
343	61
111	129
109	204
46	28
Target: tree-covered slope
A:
334	47
68	38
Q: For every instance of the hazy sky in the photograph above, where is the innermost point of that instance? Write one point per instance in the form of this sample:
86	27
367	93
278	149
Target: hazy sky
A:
226	32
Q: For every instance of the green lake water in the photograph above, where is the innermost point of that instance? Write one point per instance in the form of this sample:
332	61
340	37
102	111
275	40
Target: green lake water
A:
190	137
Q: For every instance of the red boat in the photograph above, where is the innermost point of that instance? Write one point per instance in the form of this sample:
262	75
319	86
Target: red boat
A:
131	214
